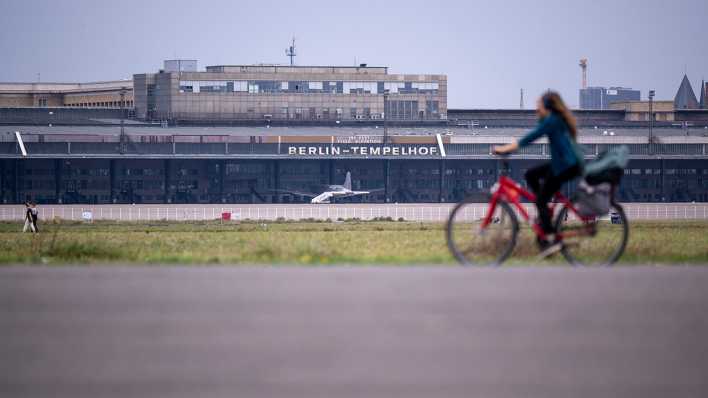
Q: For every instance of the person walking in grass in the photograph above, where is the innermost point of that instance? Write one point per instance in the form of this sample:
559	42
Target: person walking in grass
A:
28	219
34	212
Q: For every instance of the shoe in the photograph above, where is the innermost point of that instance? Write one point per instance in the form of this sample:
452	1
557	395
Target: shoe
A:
551	249
548	247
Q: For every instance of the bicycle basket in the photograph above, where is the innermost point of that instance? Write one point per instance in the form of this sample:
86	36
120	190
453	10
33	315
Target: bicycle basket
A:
610	176
593	200
608	167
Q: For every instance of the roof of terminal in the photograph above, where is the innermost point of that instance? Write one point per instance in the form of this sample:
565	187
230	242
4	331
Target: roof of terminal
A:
342	131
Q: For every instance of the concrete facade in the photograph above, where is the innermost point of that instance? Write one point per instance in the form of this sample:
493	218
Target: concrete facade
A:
298	93
84	95
639	110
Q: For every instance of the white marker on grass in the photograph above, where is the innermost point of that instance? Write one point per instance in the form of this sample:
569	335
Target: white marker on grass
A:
22	144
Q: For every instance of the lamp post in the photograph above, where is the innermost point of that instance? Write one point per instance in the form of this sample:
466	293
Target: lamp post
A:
123	137
387	164
385	116
651	122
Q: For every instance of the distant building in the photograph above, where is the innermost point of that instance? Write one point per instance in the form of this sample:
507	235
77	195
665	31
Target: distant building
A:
601	97
180	65
301	93
110	94
638	111
704	96
685	97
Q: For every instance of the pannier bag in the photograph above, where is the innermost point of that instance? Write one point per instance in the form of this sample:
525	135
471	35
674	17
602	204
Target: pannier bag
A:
593	200
608	167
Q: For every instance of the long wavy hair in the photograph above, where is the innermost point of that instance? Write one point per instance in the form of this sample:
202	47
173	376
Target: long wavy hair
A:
553	102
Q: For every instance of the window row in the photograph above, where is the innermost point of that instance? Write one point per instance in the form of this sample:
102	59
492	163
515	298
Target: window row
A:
333	87
101	104
666	171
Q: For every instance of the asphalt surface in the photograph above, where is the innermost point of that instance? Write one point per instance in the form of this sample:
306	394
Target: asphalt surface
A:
353	332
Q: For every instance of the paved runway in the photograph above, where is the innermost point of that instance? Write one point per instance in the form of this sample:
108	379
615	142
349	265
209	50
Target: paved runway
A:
426	212
353	332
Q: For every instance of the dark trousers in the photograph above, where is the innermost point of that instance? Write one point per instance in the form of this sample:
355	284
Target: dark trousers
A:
545	184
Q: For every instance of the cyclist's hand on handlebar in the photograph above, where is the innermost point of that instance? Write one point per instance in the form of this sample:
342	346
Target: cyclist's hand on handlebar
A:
504	149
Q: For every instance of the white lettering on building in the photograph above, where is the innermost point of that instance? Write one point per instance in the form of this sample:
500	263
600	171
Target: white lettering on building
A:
374	150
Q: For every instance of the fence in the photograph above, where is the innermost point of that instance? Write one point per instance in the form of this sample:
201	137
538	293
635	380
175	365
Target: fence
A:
409	212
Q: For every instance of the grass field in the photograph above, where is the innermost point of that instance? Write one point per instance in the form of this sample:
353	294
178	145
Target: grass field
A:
352	242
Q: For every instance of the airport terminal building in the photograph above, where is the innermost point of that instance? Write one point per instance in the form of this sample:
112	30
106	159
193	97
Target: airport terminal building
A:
98	165
260	133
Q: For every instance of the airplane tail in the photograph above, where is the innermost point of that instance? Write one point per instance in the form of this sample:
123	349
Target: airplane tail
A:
348	181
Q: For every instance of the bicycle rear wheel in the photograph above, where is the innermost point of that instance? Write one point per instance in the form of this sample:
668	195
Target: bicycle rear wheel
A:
597	243
473	245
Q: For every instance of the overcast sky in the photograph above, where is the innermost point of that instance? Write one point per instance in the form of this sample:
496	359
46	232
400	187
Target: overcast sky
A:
488	49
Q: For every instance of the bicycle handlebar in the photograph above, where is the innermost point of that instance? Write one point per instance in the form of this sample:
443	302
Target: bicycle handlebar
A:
504	158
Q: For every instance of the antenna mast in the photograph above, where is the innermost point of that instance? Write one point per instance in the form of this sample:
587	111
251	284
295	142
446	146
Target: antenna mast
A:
290	52
584	67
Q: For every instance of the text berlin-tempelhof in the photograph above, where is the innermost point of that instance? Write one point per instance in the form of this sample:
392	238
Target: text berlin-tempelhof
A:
363	150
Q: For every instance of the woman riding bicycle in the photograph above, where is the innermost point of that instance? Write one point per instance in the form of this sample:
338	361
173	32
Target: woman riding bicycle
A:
557	124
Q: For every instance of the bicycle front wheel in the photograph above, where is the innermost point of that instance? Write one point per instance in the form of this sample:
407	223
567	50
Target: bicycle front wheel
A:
472	244
593	243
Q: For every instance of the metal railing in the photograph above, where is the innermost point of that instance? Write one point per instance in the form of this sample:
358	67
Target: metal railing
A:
421	213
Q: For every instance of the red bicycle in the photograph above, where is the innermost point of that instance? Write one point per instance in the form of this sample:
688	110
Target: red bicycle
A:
489	238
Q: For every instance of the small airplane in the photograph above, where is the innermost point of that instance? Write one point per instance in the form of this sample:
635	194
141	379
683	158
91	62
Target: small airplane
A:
333	192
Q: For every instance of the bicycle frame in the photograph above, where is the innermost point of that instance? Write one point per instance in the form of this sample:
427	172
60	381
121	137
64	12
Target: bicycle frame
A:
508	190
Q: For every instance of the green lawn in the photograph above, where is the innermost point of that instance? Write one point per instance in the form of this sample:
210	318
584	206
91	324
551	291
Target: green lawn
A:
381	242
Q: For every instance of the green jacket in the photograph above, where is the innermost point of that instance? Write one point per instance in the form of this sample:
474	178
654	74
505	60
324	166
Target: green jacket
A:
564	151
